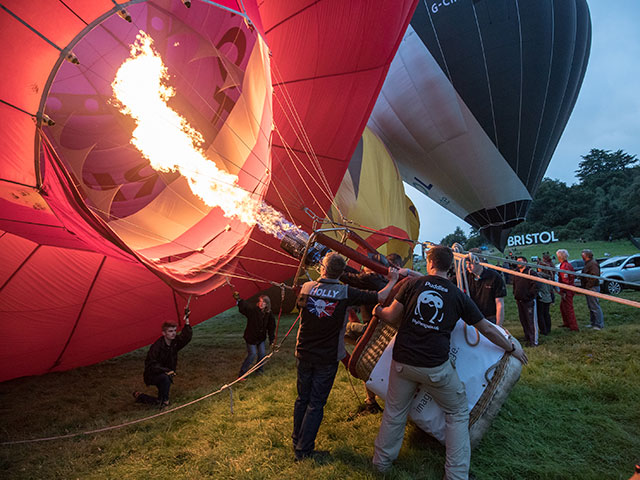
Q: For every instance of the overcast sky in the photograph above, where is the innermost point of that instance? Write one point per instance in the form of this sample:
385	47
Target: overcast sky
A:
606	115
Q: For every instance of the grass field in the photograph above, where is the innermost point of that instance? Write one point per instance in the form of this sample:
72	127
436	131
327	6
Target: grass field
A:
575	413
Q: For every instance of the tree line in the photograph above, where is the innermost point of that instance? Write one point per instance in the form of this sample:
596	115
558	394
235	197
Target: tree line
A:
603	205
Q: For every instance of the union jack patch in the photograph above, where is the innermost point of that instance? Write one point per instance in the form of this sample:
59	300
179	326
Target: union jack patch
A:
321	308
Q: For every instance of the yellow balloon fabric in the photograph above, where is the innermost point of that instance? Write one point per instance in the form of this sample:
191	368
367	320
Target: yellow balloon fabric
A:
372	195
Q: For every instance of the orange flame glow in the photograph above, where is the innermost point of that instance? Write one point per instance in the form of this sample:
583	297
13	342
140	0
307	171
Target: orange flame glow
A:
166	139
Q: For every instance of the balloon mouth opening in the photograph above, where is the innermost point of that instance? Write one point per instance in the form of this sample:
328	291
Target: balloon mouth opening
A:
218	69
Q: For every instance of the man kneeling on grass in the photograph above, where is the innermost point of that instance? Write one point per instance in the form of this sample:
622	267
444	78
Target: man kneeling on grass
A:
162	360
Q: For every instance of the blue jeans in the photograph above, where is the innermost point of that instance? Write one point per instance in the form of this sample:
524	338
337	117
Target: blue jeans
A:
314	384
252	351
595	312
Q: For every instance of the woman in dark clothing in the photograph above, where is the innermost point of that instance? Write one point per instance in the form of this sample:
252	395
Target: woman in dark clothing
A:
260	323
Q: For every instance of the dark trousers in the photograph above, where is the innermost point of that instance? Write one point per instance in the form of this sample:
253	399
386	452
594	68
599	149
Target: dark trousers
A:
163	382
314	384
544	317
526	312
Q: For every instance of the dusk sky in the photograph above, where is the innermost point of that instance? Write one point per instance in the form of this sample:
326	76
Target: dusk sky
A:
606	115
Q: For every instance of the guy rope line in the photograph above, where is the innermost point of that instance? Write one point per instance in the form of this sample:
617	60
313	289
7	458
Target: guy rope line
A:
557	270
563	286
164	412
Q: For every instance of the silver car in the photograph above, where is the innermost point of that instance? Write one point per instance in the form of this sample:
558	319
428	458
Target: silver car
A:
617	269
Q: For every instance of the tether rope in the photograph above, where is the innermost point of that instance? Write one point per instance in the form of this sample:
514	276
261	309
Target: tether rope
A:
164	412
538	279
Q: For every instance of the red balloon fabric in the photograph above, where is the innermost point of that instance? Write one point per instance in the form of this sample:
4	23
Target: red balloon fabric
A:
96	248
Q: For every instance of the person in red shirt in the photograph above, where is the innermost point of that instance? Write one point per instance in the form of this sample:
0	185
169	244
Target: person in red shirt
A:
566	304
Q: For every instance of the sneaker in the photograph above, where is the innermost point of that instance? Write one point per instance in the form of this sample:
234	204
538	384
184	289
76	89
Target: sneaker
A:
596	328
588	326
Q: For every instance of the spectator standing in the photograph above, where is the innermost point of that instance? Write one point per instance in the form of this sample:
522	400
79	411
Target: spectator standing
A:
487	289
566	302
525	291
591	267
545	296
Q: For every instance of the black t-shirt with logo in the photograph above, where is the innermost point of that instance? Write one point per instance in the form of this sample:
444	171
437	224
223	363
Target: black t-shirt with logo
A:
432	307
324	306
486	289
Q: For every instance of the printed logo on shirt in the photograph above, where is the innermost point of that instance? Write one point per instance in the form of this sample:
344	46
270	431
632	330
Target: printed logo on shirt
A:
429	309
321	308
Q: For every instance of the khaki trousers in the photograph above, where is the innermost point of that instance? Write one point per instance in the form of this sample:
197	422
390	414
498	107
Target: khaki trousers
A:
443	384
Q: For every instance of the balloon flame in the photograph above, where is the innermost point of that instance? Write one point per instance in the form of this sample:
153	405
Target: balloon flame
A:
166	139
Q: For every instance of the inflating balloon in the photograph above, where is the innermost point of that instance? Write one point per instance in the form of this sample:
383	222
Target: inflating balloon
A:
476	100
97	247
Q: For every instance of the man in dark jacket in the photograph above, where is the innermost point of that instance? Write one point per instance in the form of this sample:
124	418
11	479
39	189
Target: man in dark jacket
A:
525	291
320	345
591	267
162	360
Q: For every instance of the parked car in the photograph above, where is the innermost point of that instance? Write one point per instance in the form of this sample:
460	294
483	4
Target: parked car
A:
617	269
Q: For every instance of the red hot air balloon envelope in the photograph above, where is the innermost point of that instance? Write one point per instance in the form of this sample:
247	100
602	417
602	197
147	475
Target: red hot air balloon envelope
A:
477	98
92	240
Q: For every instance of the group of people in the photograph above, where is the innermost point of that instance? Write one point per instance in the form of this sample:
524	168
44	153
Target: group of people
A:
533	298
425	310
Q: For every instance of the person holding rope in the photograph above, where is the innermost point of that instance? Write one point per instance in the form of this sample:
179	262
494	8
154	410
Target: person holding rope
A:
320	346
591	267
162	360
425	311
260	323
367	279
566	302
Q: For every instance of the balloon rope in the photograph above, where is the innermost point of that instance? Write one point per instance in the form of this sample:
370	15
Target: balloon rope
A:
297	121
275	338
562	286
293	155
164	412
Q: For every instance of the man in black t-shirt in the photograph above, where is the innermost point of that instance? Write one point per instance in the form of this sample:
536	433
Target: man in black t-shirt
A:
320	344
487	289
425	311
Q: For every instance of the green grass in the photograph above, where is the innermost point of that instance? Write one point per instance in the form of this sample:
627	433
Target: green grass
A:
575	413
